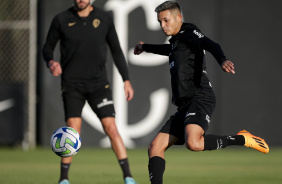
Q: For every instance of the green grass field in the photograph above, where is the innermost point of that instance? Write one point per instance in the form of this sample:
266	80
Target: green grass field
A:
99	166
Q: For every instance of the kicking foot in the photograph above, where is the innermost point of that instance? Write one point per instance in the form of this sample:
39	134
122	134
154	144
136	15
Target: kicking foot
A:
254	142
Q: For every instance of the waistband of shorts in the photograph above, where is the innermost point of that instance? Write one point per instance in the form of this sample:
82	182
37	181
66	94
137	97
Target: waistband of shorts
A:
84	83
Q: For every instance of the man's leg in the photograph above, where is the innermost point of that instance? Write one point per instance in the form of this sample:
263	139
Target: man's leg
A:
66	162
195	140
156	156
111	130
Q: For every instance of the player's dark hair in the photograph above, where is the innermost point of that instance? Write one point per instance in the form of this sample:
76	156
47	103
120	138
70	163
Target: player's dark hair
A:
168	5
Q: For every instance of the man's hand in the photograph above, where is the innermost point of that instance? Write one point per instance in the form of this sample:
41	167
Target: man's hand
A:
138	48
55	68
228	66
128	90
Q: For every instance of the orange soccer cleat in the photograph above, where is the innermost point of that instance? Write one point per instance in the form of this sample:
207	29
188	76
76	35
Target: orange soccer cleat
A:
254	141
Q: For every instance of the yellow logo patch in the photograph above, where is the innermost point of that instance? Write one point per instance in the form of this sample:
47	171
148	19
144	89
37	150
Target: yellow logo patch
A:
96	23
71	24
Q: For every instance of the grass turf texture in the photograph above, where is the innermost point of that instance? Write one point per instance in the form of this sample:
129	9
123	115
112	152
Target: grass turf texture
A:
99	166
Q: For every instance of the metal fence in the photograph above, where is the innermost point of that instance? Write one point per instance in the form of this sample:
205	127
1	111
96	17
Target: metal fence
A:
18	56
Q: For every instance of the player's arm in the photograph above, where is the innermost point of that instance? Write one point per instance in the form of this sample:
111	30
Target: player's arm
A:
49	46
215	49
162	49
199	40
119	59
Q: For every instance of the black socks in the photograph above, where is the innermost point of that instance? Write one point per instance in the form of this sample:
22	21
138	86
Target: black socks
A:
123	164
156	170
64	171
213	142
125	168
236	140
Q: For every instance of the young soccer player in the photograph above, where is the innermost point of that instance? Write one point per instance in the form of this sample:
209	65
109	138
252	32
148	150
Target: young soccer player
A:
191	89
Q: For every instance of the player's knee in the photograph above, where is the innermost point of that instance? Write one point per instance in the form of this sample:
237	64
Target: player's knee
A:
150	148
155	150
194	145
111	131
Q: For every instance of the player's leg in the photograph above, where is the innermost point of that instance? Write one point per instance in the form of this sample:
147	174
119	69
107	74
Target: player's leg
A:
156	156
196	124
101	101
73	101
197	120
160	144
195	139
110	129
171	133
66	162
118	147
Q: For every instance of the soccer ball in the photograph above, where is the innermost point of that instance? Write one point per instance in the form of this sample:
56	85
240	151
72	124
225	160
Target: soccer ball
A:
65	142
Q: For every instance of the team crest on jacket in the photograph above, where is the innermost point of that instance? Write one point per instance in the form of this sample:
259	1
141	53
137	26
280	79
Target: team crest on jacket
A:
96	23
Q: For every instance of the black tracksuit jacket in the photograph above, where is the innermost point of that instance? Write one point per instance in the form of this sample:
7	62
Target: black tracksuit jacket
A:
83	46
186	53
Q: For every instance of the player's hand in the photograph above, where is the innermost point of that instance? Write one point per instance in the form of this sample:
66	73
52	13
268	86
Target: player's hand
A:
129	92
138	48
55	68
228	66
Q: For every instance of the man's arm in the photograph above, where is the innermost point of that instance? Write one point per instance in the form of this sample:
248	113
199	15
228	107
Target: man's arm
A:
51	41
162	49
49	46
119	60
215	49
118	56
199	40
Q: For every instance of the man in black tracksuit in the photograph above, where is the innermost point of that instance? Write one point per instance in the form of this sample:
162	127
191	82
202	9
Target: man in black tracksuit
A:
84	32
191	90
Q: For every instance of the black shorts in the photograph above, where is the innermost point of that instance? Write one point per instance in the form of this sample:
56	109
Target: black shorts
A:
99	97
197	111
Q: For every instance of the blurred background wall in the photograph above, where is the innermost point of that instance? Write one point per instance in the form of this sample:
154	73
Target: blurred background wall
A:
248	31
